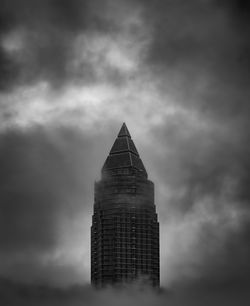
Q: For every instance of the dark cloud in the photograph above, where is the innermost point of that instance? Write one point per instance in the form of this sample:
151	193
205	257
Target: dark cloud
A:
42	186
200	49
28	199
9	70
48	30
198	31
203	160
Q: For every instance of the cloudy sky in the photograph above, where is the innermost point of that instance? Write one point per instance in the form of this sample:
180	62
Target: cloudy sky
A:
177	72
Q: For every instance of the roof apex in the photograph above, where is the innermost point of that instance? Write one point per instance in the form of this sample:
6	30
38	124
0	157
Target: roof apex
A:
124	154
124	131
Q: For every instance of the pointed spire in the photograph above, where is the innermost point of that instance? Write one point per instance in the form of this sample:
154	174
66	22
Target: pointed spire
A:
124	154
124	131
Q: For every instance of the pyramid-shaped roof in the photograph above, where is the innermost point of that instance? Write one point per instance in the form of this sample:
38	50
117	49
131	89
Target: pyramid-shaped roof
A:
124	131
123	153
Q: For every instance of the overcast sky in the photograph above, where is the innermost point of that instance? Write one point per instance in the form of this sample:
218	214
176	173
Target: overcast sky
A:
177	72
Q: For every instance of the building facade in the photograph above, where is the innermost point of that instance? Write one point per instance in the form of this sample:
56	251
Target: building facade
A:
125	229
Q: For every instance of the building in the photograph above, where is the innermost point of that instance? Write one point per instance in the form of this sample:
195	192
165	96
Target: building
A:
125	230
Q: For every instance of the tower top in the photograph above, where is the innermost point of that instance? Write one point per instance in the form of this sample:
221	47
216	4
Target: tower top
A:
124	154
124	131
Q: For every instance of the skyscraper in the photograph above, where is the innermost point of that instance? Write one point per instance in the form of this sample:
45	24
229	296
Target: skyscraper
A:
125	230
